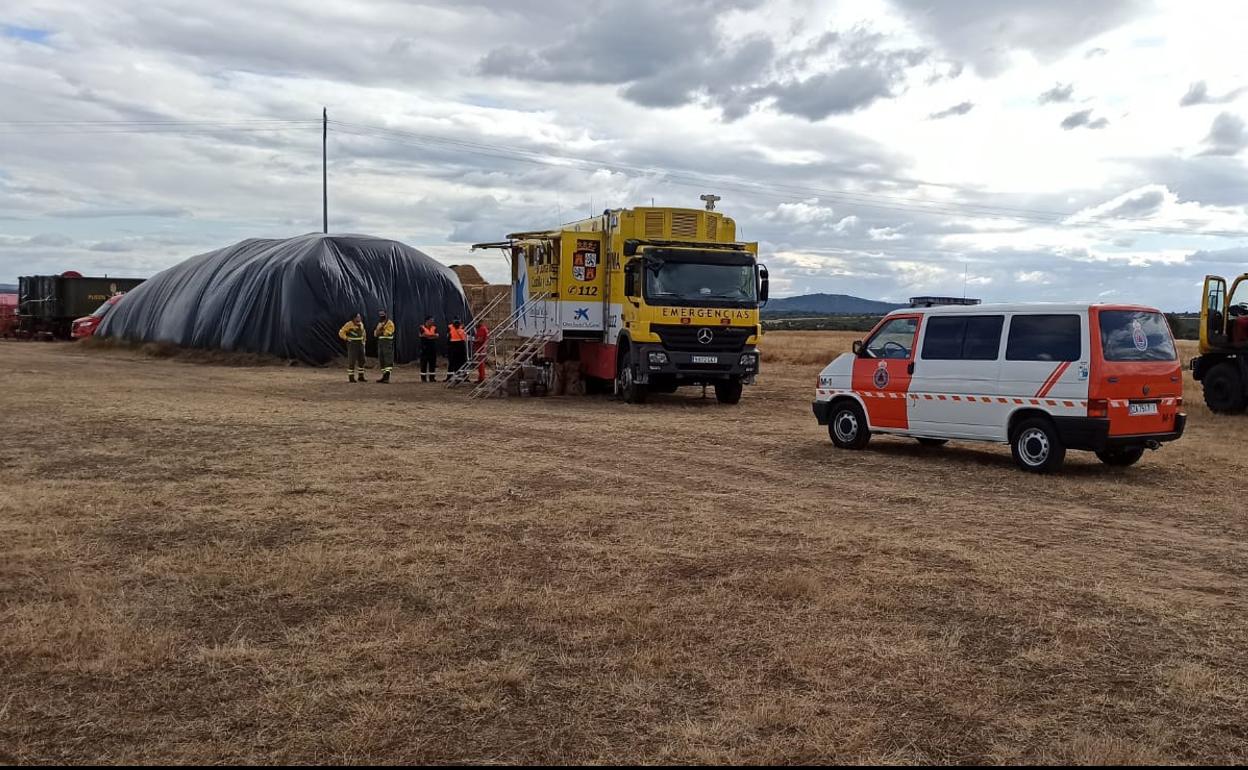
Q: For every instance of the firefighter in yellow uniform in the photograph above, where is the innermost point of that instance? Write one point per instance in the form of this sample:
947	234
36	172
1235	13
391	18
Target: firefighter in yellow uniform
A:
385	346
353	333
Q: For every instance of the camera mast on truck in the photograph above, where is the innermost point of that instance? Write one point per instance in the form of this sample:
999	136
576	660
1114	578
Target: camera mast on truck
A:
648	299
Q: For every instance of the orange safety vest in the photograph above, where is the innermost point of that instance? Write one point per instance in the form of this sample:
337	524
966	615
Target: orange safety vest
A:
458	335
429	332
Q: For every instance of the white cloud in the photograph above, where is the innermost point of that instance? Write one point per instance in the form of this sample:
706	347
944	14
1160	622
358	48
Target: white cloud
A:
845	180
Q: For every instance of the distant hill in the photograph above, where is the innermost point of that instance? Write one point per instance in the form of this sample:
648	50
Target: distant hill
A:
828	304
8	288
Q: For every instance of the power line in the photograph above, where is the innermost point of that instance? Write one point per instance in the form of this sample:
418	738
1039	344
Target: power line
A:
861	200
770	190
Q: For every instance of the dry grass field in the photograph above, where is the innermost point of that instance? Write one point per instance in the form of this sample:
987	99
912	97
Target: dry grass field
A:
201	563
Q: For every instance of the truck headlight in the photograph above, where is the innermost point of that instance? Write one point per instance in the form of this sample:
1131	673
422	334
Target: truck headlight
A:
749	360
658	358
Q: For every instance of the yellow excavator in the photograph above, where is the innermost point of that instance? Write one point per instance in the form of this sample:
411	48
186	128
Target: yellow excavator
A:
1222	366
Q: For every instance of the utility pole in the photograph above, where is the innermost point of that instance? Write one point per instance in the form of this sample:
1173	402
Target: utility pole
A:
325	170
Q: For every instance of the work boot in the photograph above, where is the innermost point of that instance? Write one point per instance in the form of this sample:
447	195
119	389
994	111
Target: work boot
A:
350	378
385	378
362	377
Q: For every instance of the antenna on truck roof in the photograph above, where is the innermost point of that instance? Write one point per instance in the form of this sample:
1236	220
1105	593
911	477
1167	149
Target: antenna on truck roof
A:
709	200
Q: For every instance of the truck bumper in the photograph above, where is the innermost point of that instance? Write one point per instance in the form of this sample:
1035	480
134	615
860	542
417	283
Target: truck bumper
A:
691	367
1092	433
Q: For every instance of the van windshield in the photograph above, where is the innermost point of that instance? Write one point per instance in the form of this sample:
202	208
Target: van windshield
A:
1136	335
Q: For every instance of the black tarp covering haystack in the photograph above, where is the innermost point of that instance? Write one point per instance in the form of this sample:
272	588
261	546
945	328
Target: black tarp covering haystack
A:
288	297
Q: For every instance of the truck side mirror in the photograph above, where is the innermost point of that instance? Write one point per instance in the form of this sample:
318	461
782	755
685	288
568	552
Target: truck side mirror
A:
858	347
764	284
630	280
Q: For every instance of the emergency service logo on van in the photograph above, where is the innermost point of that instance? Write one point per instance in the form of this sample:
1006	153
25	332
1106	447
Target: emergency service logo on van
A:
1138	336
880	378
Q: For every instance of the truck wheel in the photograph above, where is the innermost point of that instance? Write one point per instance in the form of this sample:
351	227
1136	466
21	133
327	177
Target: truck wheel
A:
1036	446
1224	389
728	391
1121	456
629	390
848	426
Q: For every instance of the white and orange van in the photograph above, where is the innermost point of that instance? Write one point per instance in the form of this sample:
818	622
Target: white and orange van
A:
1043	378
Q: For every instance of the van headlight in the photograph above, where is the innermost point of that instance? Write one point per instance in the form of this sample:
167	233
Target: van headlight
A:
749	360
658	357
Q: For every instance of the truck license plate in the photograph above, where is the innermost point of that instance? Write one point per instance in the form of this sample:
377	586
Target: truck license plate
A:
1148	407
706	359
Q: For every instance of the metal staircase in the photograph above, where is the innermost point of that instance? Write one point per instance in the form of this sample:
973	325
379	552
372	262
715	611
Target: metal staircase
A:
505	366
528	350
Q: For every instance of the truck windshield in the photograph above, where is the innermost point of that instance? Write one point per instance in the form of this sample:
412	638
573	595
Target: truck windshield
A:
675	282
1135	335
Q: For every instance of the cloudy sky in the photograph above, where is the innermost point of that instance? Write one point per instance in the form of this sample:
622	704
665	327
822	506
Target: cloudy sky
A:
1027	149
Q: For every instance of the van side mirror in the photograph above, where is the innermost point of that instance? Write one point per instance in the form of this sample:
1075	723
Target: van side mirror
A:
764	283
858	347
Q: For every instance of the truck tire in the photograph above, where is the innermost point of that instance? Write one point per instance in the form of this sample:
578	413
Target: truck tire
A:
847	425
1121	457
728	391
1036	446
626	386
1224	389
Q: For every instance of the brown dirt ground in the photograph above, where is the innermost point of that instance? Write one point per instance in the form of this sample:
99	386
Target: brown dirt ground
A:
201	563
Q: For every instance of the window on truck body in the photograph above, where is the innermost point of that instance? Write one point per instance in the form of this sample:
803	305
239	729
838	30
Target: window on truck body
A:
1045	337
1135	335
963	337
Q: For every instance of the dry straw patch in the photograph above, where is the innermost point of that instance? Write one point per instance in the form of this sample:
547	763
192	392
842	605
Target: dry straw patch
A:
237	564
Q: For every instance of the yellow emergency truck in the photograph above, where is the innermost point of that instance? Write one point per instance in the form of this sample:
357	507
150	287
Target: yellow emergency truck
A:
646	299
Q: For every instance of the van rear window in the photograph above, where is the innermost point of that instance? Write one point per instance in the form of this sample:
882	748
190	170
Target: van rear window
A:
1044	338
1135	335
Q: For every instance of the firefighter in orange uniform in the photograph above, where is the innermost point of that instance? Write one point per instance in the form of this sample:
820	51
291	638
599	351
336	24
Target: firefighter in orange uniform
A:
353	333
428	350
457	350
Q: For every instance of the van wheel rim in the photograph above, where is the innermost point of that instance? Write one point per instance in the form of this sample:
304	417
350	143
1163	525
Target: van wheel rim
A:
1033	445
846	426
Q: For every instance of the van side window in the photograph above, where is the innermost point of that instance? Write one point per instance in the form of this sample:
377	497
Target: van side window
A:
1044	338
963	338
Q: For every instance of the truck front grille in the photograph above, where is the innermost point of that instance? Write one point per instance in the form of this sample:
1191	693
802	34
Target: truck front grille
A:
724	339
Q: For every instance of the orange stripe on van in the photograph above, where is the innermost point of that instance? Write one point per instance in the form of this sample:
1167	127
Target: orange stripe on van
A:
1052	380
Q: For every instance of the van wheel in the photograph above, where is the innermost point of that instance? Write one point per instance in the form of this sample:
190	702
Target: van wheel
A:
1224	389
933	442
848	426
728	391
1121	456
1036	446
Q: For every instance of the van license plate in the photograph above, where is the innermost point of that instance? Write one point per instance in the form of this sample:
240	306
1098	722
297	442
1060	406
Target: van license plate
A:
1148	407
706	359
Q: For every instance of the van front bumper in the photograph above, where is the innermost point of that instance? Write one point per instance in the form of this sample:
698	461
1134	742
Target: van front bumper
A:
823	411
1092	433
